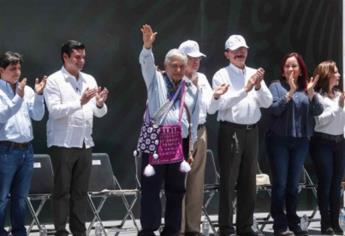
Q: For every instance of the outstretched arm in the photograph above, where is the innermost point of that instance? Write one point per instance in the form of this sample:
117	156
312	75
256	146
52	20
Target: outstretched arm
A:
148	36
146	58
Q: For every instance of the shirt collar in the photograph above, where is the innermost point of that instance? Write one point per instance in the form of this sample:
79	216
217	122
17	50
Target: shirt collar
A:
6	85
237	70
67	75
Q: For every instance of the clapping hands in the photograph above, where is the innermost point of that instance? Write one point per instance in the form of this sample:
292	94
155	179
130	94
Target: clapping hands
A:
255	80
220	90
101	96
21	87
40	85
311	85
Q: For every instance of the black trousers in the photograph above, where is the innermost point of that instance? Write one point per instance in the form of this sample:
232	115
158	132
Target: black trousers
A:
71	180
238	149
329	160
174	187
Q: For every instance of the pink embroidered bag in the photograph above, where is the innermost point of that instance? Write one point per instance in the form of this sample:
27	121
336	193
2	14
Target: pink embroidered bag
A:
170	147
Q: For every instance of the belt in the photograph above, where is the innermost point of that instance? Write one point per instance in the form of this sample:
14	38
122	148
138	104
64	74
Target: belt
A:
330	137
201	126
239	126
13	145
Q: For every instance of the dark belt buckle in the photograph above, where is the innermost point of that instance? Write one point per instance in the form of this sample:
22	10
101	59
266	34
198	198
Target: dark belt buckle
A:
248	127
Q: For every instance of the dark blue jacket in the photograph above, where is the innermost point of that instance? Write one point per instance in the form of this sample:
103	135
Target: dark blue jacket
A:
294	118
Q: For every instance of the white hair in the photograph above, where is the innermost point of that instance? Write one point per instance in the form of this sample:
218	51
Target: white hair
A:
175	53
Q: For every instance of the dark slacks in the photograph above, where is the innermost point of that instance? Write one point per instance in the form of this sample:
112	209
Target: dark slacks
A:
238	149
329	161
71	180
174	187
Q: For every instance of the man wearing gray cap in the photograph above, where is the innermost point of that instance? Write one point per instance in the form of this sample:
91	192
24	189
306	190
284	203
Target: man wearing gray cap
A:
195	179
238	114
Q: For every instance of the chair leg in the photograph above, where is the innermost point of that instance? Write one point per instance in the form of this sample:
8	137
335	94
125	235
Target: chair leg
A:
34	213
129	212
96	214
209	221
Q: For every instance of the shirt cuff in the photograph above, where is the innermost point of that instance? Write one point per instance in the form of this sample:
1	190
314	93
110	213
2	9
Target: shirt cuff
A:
147	50
39	97
17	99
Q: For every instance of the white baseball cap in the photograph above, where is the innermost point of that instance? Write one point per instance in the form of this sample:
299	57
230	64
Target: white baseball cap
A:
235	41
191	48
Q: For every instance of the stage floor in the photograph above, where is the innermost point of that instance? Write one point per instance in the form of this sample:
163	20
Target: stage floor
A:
129	229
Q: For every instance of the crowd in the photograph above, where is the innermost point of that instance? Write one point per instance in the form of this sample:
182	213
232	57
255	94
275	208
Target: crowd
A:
306	116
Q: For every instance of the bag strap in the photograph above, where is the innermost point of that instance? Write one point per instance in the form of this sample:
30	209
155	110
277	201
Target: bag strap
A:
165	108
182	103
190	143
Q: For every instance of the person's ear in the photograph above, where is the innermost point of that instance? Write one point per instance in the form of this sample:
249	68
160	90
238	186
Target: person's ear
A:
65	56
226	54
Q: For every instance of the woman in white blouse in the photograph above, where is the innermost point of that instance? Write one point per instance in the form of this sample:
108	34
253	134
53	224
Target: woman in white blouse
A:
327	146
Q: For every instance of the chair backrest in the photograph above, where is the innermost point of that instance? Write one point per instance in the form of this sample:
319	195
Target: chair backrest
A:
102	176
43	176
211	172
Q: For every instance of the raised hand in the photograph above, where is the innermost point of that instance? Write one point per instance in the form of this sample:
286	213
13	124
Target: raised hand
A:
39	85
21	87
292	83
260	73
311	85
87	96
101	96
148	36
220	90
250	83
190	158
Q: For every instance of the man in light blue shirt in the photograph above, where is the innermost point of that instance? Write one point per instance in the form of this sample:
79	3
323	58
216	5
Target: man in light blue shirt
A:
161	87
18	105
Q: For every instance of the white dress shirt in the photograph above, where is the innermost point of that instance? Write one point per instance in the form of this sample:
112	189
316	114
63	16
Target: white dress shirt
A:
70	124
205	94
15	113
332	119
237	105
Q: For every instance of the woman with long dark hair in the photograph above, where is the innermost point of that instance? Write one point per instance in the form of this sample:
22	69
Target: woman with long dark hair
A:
292	122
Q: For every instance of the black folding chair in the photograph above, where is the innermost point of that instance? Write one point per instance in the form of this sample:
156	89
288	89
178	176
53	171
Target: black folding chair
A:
211	187
103	184
263	184
41	189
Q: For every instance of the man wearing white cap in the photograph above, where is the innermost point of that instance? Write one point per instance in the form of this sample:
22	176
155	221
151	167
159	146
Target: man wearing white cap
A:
238	114
195	179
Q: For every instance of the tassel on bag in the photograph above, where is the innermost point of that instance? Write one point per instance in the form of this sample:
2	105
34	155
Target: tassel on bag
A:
185	167
149	170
